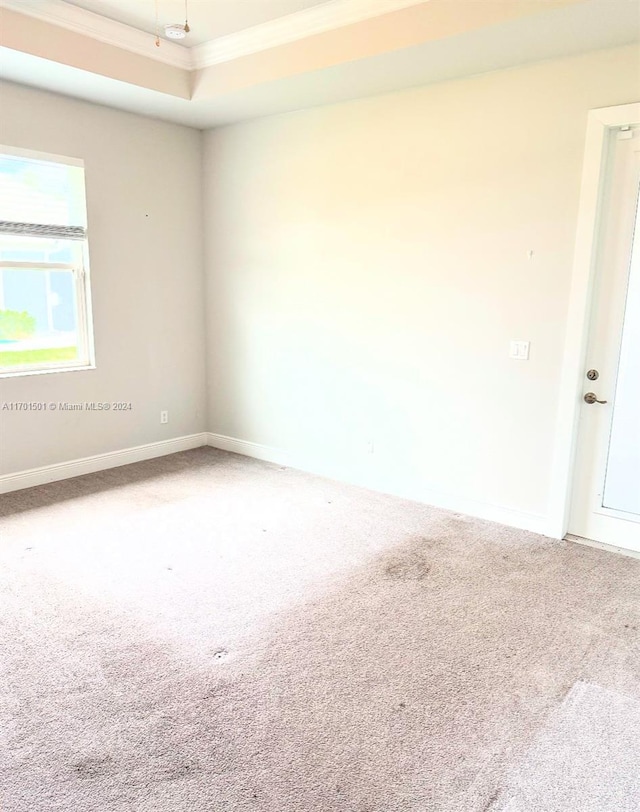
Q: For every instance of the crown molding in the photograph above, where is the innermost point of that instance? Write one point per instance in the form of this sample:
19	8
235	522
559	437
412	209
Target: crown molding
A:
306	23
102	29
327	16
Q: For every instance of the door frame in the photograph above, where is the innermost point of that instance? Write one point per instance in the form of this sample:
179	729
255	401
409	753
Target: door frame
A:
599	124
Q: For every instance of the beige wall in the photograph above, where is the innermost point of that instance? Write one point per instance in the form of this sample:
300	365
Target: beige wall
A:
143	181
368	264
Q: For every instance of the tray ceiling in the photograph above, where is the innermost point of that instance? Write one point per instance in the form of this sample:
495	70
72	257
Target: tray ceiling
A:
208	19
314	53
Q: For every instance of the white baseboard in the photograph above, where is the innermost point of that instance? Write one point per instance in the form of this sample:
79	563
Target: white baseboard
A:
533	522
99	462
247	449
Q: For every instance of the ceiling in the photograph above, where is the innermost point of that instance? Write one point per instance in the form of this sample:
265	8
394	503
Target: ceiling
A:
321	53
208	19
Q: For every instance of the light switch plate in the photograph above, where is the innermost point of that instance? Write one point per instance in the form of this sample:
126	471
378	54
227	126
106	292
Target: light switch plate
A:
519	350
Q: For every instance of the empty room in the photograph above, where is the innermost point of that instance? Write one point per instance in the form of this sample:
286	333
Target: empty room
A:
319	406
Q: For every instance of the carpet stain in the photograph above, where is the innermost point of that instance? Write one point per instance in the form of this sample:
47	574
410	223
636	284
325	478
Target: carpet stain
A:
179	771
389	599
491	801
562	690
93	767
413	566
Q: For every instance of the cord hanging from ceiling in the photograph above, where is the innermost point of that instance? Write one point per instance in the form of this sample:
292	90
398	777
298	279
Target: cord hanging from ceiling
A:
186	17
173	30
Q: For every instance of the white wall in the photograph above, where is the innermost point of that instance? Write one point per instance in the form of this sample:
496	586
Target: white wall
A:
367	265
143	181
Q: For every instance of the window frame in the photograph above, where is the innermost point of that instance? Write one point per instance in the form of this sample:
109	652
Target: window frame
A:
82	288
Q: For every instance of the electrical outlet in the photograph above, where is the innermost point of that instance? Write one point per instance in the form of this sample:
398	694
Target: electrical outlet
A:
164	417
519	350
370	447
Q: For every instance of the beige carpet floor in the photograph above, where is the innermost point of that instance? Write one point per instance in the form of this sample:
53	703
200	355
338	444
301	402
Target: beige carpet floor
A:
209	633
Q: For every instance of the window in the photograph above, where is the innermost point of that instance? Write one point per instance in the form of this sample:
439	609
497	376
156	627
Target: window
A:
45	319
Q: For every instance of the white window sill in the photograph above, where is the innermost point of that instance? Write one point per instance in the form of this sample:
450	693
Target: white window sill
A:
19	373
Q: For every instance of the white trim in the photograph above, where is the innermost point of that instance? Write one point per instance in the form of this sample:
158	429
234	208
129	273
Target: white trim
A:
57	367
522	520
102	29
599	123
37	155
299	25
623	515
600	545
248	449
99	462
36	266
292	27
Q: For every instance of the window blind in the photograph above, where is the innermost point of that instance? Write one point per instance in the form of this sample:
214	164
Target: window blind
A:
40	230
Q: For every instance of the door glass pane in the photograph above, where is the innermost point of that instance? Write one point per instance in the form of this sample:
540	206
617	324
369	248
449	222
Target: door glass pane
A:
622	483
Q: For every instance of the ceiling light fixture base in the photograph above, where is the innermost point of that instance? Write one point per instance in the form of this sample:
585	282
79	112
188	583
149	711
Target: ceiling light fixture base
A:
175	31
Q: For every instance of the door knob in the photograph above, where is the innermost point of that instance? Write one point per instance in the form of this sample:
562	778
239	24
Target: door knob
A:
590	397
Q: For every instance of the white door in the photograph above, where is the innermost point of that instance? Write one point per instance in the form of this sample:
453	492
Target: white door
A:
606	491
